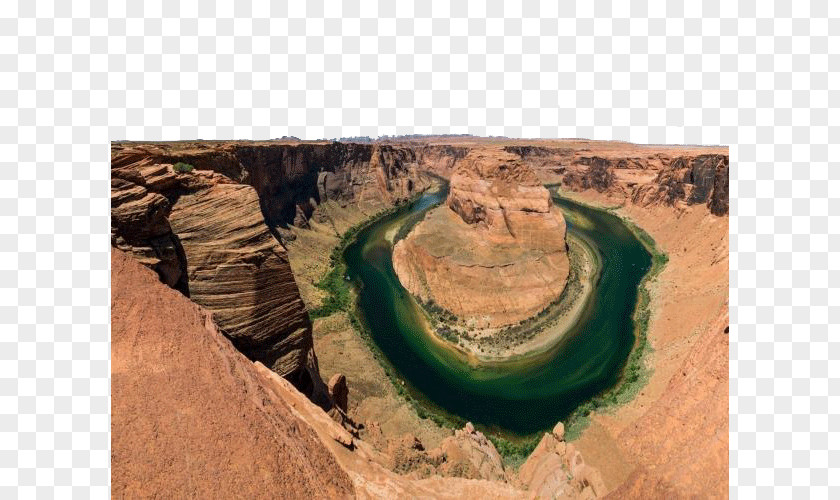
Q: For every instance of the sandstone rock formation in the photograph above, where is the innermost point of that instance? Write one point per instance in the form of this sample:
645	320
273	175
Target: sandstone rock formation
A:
495	253
553	470
291	179
205	235
471	454
338	391
692	180
190	416
556	469
214	233
139	222
238	270
643	175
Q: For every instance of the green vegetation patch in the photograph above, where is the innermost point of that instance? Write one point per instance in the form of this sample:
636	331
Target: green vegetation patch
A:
513	453
183	168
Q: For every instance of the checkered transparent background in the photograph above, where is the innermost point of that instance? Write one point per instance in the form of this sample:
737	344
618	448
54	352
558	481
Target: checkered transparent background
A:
762	79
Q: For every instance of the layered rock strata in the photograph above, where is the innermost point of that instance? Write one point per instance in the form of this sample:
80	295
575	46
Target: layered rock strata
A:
643	175
190	416
288	182
495	253
238	270
215	233
291	179
690	180
205	235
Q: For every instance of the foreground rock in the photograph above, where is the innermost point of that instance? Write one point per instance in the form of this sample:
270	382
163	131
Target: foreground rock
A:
682	441
471	454
495	253
238	270
190	417
556	469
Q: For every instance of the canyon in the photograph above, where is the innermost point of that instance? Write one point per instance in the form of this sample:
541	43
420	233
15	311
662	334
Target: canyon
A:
236	249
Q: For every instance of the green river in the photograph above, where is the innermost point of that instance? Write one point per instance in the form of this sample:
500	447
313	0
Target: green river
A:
521	396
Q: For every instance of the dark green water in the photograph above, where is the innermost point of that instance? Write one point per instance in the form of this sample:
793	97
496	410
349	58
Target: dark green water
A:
522	396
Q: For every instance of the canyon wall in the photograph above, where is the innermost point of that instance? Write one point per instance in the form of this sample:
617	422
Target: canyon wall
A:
690	180
215	233
644	175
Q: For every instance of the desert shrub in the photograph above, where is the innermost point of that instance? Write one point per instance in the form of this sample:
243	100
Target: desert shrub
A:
182	168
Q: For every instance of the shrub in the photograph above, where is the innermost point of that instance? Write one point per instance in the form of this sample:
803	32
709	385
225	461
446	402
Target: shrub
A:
182	168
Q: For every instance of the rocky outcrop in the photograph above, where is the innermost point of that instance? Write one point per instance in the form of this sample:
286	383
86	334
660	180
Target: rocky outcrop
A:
495	254
690	180
598	175
238	270
468	453
139	223
556	469
441	160
190	416
644	175
205	235
292	179
337	388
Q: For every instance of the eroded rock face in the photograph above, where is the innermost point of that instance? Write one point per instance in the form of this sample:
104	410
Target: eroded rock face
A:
205	235
690	180
683	440
598	175
473	455
191	416
556	469
338	391
291	178
215	233
139	223
495	253
238	270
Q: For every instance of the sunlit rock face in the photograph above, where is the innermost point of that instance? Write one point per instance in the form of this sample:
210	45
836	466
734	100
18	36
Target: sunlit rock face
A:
495	252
